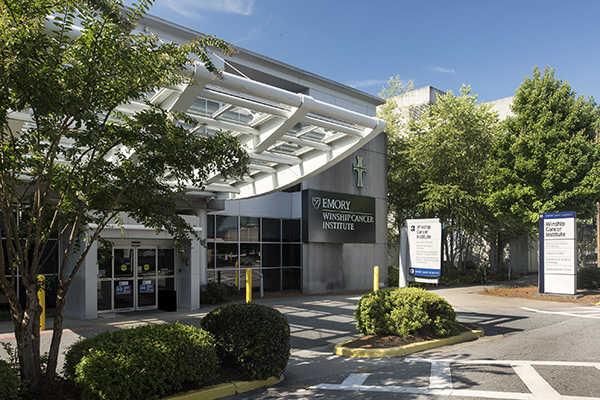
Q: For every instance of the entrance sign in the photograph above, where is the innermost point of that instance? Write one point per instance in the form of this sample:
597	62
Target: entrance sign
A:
558	253
425	247
329	217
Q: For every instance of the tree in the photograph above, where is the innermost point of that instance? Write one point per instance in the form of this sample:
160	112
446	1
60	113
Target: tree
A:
449	146
546	159
81	163
436	159
402	186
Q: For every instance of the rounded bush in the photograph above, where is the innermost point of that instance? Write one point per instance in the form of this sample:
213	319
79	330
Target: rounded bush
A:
10	383
588	278
145	362
251	338
404	312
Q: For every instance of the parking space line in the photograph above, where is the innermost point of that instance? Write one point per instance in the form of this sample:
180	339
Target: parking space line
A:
440	376
440	383
536	384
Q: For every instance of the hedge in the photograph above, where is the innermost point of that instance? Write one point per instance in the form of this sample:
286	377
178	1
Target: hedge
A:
145	362
404	312
10	383
251	338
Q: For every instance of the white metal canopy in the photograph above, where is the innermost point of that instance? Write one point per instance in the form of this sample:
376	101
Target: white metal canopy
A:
289	136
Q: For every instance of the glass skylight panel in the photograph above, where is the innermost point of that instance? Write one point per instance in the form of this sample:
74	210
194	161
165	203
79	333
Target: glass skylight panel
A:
244	96
286	148
238	114
313	135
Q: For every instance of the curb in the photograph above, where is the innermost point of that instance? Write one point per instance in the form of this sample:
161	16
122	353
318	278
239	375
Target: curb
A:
225	389
340	350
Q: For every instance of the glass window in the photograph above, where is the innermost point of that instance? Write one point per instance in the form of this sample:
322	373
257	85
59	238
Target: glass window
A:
104	260
104	295
50	258
146	262
210	255
249	229
271	279
291	278
249	255
271	230
271	255
291	255
166	261
291	230
226	228
227	255
123	266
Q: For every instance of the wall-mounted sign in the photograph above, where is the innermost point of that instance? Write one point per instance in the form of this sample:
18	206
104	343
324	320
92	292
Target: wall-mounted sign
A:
558	252
425	247
329	217
360	170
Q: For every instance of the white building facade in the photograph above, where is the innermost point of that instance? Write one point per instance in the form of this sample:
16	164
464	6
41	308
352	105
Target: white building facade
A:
310	215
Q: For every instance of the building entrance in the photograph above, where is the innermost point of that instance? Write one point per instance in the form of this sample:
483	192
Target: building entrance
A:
130	278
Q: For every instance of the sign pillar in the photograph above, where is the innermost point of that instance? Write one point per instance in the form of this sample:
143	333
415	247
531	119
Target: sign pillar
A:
424	254
558	253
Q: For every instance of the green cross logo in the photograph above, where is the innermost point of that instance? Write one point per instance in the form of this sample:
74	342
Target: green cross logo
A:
360	169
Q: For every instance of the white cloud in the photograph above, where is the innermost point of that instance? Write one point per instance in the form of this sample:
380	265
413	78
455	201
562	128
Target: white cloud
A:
192	7
366	83
443	70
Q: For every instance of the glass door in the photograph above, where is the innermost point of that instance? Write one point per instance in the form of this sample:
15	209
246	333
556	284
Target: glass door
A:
146	278
123	283
130	278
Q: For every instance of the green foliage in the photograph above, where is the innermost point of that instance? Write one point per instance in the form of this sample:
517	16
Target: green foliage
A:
588	278
215	292
436	164
252	338
547	159
393	276
404	312
143	362
74	66
10	384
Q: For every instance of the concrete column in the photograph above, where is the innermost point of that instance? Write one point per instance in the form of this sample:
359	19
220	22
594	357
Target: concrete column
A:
82	299
188	288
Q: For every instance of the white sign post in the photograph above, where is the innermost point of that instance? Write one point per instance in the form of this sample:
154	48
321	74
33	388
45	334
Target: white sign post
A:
424	255
558	253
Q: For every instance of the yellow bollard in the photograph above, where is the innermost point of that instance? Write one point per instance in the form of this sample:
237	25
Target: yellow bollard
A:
42	299
376	278
248	285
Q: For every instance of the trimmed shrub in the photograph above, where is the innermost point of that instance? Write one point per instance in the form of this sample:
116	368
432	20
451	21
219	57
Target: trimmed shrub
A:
404	312
251	338
588	278
145	362
215	292
10	383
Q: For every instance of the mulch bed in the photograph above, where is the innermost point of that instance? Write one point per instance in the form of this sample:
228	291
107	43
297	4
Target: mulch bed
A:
588	297
385	342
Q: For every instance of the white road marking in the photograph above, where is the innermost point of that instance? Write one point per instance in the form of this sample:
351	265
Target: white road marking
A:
536	384
440	381
568	314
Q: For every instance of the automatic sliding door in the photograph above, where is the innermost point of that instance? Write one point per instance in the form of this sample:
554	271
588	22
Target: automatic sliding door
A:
146	278
123	279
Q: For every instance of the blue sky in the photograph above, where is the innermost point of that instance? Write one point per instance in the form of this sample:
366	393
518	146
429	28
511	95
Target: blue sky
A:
490	45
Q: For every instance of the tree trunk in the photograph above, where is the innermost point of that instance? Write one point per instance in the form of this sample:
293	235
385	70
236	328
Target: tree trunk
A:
59	313
27	335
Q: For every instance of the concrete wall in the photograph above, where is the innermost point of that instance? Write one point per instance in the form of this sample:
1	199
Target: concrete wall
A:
329	267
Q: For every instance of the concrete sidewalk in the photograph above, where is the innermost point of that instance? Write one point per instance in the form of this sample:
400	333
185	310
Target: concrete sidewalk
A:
316	321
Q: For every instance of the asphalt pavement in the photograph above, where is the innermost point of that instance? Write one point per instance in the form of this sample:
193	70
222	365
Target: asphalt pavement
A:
533	349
